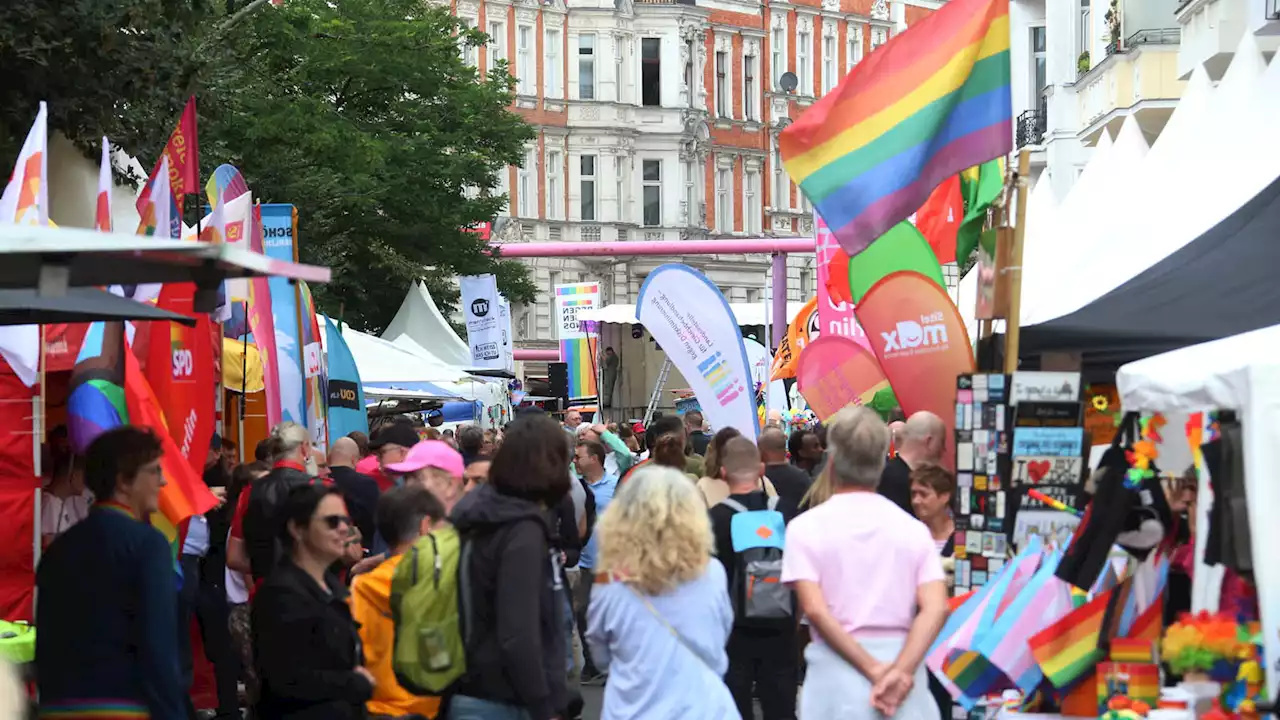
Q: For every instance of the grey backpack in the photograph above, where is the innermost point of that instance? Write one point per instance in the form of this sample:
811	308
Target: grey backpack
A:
758	541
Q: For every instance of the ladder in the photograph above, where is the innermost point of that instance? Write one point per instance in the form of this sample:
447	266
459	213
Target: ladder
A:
657	391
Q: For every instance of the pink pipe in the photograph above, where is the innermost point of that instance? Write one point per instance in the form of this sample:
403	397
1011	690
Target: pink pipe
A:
769	246
538	355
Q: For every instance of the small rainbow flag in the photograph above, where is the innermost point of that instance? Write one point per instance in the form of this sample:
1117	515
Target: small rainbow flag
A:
1068	649
930	103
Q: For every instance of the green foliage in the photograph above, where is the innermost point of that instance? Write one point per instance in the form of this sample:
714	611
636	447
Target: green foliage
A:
361	113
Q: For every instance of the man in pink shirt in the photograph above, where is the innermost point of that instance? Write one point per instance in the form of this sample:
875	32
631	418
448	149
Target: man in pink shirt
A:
869	580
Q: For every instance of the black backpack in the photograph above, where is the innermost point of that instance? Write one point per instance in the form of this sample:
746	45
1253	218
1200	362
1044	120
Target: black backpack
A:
262	521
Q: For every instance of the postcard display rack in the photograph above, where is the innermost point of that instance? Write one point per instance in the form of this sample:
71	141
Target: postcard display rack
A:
1014	433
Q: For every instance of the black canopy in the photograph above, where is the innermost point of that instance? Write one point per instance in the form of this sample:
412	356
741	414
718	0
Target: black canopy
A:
27	307
1225	282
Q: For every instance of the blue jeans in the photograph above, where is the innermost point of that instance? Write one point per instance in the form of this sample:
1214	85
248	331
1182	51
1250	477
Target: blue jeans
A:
462	707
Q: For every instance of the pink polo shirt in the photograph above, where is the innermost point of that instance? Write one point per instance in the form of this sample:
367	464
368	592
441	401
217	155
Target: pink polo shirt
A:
867	556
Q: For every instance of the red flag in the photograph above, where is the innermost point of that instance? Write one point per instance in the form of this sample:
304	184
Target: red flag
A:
180	371
921	342
939	218
183	152
184	493
835	372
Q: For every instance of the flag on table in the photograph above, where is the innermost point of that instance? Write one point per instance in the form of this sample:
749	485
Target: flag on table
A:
26	202
980	186
928	104
1068	649
102	215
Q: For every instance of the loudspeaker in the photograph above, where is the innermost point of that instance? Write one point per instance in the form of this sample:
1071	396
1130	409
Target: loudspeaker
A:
558	377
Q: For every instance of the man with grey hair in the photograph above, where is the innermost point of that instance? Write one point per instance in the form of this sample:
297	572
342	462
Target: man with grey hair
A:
868	578
921	440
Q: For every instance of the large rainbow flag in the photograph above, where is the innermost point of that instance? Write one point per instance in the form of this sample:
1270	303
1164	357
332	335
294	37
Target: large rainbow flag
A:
577	346
930	103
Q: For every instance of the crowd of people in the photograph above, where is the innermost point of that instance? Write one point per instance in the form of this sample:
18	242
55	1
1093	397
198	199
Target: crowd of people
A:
693	575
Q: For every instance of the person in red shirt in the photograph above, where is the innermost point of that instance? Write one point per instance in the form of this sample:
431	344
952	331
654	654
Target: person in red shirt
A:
390	445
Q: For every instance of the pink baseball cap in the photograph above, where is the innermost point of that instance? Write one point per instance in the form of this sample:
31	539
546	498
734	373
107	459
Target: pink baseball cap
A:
430	453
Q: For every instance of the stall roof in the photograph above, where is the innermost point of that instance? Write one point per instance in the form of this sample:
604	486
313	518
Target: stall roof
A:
1218	285
54	259
78	305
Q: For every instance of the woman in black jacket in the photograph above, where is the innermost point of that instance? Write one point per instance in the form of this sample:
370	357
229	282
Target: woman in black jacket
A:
516	654
308	652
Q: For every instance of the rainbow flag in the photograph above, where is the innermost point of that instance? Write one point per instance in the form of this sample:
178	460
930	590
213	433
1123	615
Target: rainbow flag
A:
1068	649
930	103
577	346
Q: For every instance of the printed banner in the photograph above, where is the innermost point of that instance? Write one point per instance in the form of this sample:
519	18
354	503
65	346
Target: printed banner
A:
180	372
313	371
774	393
346	394
803	330
836	372
576	350
278	244
261	323
504	324
921	343
482	307
835	303
692	322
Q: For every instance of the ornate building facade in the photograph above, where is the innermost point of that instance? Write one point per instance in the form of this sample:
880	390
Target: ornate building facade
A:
658	120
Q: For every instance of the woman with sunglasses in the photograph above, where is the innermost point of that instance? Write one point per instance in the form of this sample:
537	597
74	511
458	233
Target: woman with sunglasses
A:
306	644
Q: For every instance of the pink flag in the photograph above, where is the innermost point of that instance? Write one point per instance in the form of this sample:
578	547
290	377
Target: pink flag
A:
102	218
26	202
262	325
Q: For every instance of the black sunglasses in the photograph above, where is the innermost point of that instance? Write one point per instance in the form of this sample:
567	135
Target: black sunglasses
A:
336	521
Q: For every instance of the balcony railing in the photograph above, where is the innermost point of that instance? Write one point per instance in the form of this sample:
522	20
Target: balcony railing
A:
1030	128
1158	36
1273	9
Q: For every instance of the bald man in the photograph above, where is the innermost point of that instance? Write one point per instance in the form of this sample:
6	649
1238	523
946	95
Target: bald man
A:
921	441
790	481
360	491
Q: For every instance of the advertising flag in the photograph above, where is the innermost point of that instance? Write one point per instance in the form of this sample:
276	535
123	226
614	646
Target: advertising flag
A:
902	248
261	321
692	322
26	202
774	392
803	330
180	372
313	374
576	349
346	394
102	214
179	164
835	302
278	243
921	342
939	218
836	372
482	308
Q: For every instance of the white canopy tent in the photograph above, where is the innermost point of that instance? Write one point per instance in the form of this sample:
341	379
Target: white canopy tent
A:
1207	164
1240	373
419	320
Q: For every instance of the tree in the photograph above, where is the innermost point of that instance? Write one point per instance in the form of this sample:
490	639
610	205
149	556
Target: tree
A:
361	113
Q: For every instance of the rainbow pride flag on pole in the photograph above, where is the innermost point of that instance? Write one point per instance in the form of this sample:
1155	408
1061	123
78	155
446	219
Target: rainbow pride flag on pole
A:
577	347
930	103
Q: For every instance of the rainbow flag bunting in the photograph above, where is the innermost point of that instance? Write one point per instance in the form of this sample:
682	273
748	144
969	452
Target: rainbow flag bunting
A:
930	103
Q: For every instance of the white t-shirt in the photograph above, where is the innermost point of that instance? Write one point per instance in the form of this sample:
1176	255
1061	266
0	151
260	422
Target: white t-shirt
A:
57	514
237	591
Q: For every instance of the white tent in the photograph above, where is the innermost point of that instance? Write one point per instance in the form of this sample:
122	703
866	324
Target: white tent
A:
1240	373
386	364
419	320
1205	166
1089	210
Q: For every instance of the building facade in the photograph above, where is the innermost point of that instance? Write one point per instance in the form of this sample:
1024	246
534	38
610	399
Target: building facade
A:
658	120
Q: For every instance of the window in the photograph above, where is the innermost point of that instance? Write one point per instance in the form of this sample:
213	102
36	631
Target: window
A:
781	189
778	48
804	62
750	92
1039	74
724	202
527	73
504	189
1083	33
586	67
497	43
692	216
555	192
652	181
620	187
467	50
879	36
806	283
828	63
722	84
650	74
854	52
618	47
551	71
527	188
751	202
587	187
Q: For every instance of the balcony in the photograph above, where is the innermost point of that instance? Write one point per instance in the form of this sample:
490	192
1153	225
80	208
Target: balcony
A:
1211	32
1030	130
1139	77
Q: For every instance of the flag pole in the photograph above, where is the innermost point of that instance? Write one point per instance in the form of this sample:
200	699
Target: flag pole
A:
1012	325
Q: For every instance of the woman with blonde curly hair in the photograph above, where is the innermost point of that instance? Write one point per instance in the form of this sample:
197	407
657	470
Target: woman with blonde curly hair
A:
660	616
